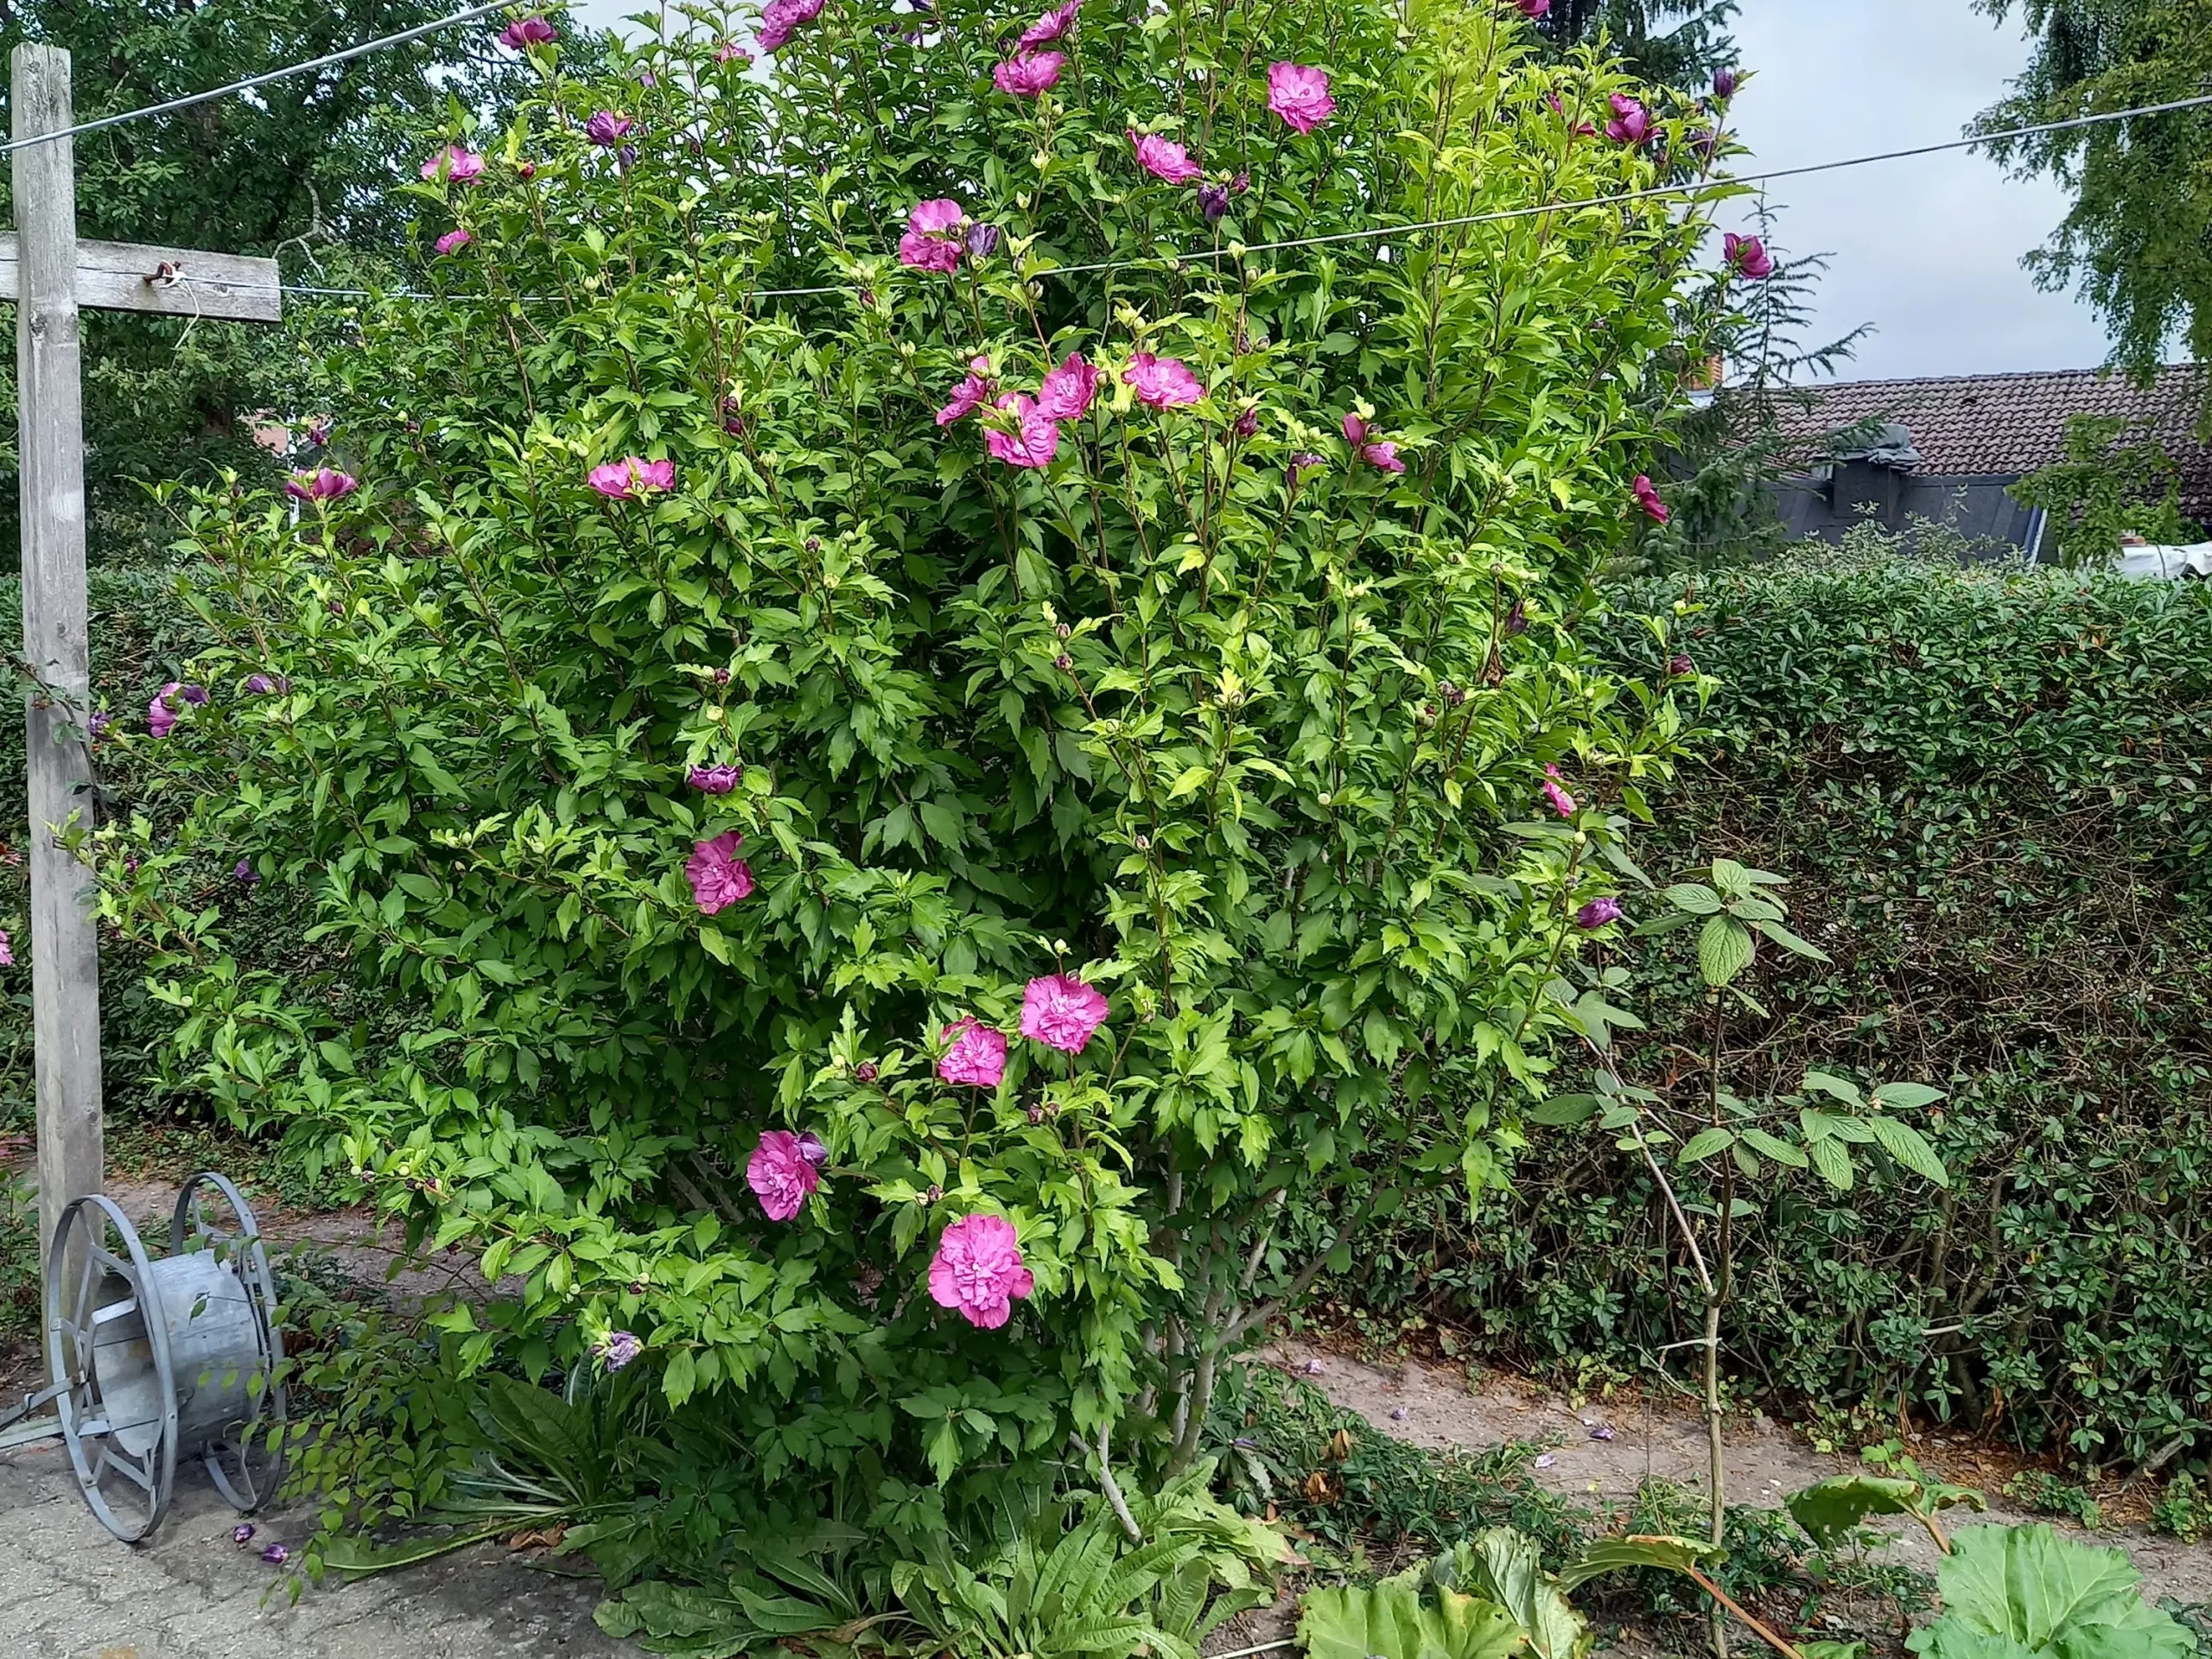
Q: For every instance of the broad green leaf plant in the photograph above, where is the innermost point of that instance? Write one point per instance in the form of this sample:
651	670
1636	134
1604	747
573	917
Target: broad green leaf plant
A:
912	727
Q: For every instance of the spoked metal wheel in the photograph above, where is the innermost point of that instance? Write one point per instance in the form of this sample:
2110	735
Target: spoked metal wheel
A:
245	1455
107	1351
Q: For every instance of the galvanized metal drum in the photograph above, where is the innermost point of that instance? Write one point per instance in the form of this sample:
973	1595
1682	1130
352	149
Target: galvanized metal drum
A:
154	1360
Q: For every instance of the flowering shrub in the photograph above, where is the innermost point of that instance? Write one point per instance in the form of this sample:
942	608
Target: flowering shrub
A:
842	657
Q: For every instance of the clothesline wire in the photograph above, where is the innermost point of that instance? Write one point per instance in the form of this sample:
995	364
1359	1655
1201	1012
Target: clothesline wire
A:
1384	232
101	123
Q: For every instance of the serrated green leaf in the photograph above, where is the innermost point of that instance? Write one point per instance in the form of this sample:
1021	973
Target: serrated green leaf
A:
1906	1144
1724	949
1704	1144
1694	898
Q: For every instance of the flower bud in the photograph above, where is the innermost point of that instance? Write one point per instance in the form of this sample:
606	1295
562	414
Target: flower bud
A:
865	1071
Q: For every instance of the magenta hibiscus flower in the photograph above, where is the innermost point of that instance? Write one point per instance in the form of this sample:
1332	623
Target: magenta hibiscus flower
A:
978	1270
1299	95
1562	802
1068	390
1162	382
1034	439
631	477
455	162
934	235
782	1174
1165	159
718	876
779	21
1049	27
976	1055
1028	73
1062	1012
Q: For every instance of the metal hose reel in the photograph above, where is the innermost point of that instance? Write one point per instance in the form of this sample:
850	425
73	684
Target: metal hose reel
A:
149	1361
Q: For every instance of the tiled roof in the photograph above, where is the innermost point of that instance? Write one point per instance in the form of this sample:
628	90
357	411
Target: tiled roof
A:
2005	425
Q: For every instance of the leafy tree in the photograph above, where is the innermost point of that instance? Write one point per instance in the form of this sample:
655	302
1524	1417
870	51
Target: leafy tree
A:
1727	458
1235	697
2138	241
2105	489
288	169
1680	43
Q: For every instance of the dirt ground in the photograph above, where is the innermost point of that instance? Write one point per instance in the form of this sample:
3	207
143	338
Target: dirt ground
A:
76	1594
1437	1405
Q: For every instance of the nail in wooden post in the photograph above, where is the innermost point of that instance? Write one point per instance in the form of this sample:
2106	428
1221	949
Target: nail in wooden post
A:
65	950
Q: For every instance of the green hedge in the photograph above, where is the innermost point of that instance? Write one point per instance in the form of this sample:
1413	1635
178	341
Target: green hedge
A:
1988	792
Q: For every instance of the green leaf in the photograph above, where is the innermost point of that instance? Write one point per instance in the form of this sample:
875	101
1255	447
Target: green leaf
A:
2026	1587
1841	1088
1694	898
1774	1146
1390	1620
1563	1109
1832	1162
1907	1145
1662	1550
1705	1143
1831	1509
1503	1566
1724	949
1790	942
1907	1095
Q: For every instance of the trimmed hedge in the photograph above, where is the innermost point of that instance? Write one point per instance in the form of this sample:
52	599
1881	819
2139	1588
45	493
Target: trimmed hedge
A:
1988	792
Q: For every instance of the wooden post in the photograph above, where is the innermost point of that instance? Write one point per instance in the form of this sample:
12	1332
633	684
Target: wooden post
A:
65	949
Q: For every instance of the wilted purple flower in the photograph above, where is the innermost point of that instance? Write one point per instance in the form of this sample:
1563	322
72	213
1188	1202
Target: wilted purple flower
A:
1748	255
617	1349
626	157
100	721
1704	142
242	1533
1516	620
865	1071
648	79
1546	1461
1246	1442
1213	202
1399	1414
731	52
1723	84
715	780
811	1149
1312	1368
983	241
195	695
526	32
1679	662
245	874
263	685
1303	461
780	20
1631	124
1248	420
607	128
277	1555
1602	1431
1597	913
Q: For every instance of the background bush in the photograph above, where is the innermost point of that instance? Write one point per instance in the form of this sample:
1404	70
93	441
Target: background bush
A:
1987	792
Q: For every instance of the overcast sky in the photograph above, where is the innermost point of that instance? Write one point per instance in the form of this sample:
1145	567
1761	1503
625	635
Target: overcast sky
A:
1927	250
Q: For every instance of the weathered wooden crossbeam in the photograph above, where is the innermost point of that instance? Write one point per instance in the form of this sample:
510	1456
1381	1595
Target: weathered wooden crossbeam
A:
171	282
